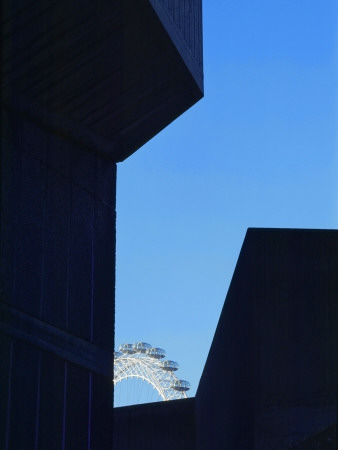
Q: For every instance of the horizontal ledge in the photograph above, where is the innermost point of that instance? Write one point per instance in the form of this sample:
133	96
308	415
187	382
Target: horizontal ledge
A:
24	327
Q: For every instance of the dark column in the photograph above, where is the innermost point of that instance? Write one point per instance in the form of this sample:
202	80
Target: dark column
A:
57	288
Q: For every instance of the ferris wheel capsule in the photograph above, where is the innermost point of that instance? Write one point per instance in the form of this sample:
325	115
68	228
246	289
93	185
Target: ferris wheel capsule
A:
157	353
180	385
143	362
127	348
169	365
141	347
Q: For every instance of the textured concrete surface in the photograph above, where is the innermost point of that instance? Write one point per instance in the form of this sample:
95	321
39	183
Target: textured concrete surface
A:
111	74
156	426
270	380
81	89
57	289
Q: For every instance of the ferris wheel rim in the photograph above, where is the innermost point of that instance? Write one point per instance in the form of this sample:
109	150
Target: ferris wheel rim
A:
141	361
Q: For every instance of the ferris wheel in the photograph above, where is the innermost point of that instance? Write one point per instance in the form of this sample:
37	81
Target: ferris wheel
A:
144	362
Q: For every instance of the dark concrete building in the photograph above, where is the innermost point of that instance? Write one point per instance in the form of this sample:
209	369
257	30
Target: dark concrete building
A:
270	380
83	87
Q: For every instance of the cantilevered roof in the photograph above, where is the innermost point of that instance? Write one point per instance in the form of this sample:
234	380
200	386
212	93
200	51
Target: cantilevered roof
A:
110	74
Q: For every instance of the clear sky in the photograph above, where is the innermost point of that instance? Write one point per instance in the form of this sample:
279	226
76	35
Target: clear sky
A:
260	150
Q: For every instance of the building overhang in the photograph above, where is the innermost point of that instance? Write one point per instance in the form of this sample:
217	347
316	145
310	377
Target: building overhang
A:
110	75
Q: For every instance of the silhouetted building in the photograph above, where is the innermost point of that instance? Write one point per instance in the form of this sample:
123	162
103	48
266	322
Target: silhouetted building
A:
85	85
270	380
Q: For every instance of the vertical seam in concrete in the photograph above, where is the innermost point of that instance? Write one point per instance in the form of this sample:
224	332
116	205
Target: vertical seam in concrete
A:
69	246
38	403
43	256
92	284
64	407
9	394
90	410
69	241
17	220
93	257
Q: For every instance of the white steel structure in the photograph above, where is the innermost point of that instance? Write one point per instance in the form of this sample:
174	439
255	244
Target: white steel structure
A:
141	360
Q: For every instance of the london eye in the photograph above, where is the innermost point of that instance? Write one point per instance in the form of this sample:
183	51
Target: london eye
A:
146	363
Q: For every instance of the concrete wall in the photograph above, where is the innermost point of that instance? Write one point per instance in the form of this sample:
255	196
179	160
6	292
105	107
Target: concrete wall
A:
57	289
81	89
270	380
187	18
58	230
154	426
110	73
183	21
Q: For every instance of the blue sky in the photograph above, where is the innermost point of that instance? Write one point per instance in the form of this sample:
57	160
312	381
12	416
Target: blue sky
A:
260	150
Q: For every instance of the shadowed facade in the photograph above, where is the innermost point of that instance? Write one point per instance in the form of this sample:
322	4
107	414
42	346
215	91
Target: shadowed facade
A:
83	87
270	380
